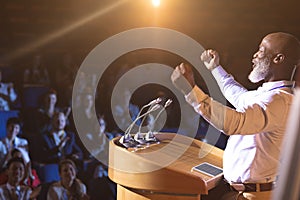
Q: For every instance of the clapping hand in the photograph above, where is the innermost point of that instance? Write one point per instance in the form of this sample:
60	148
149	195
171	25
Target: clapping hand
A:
63	142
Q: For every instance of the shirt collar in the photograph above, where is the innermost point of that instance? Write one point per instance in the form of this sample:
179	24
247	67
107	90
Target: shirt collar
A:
16	140
275	84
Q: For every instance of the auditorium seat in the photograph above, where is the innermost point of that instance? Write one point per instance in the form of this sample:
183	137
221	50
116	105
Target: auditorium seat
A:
47	172
31	95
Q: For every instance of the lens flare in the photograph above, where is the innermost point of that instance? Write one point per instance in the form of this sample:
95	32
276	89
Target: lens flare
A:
155	3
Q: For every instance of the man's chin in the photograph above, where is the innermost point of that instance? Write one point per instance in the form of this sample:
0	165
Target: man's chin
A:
254	79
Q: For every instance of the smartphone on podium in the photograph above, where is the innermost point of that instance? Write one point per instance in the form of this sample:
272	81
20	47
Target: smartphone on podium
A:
208	169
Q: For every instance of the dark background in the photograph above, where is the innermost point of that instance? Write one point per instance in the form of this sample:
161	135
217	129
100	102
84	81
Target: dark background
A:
233	27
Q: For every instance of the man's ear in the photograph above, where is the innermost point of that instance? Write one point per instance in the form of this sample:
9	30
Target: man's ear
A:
279	58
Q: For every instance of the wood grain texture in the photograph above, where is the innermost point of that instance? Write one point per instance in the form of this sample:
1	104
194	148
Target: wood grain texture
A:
165	168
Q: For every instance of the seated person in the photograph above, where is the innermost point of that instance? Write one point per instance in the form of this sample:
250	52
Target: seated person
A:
58	143
120	110
98	139
69	187
13	188
65	73
12	141
30	177
46	111
83	109
100	179
8	96
37	73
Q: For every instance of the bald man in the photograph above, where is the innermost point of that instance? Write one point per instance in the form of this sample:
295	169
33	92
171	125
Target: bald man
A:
257	124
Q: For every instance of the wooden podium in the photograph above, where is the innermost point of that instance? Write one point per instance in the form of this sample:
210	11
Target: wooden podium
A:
164	170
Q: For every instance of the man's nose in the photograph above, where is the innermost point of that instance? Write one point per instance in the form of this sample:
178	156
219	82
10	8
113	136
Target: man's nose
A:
19	171
255	55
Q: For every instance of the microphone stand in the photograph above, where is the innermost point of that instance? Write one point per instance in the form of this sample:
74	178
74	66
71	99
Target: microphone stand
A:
138	136
127	139
151	103
150	137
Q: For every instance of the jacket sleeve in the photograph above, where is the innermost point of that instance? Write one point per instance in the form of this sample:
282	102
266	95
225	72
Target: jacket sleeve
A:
254	119
50	152
71	147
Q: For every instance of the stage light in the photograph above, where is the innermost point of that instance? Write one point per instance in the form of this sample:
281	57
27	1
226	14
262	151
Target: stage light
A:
155	3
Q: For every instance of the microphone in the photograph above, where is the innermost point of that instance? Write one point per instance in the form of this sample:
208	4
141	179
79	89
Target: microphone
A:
293	74
168	102
126	139
149	137
153	102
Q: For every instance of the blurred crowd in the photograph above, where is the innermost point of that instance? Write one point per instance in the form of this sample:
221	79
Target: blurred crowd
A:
43	154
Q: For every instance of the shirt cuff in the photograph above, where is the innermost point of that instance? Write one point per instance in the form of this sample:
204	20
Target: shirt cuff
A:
196	96
219	72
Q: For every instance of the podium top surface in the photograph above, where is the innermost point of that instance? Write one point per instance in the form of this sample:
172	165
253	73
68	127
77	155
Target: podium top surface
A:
165	166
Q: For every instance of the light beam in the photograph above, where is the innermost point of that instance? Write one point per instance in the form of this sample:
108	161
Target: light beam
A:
62	31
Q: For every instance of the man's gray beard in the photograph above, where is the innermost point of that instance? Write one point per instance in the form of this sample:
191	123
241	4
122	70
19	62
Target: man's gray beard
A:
260	71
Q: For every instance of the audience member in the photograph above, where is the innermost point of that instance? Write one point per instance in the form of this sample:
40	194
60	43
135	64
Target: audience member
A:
85	108
8	95
58	143
84	112
46	111
69	187
64	77
37	73
124	112
98	140
13	189
100	186
30	179
12	141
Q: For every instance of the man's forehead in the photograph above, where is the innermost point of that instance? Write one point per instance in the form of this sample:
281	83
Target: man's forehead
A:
265	44
16	164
